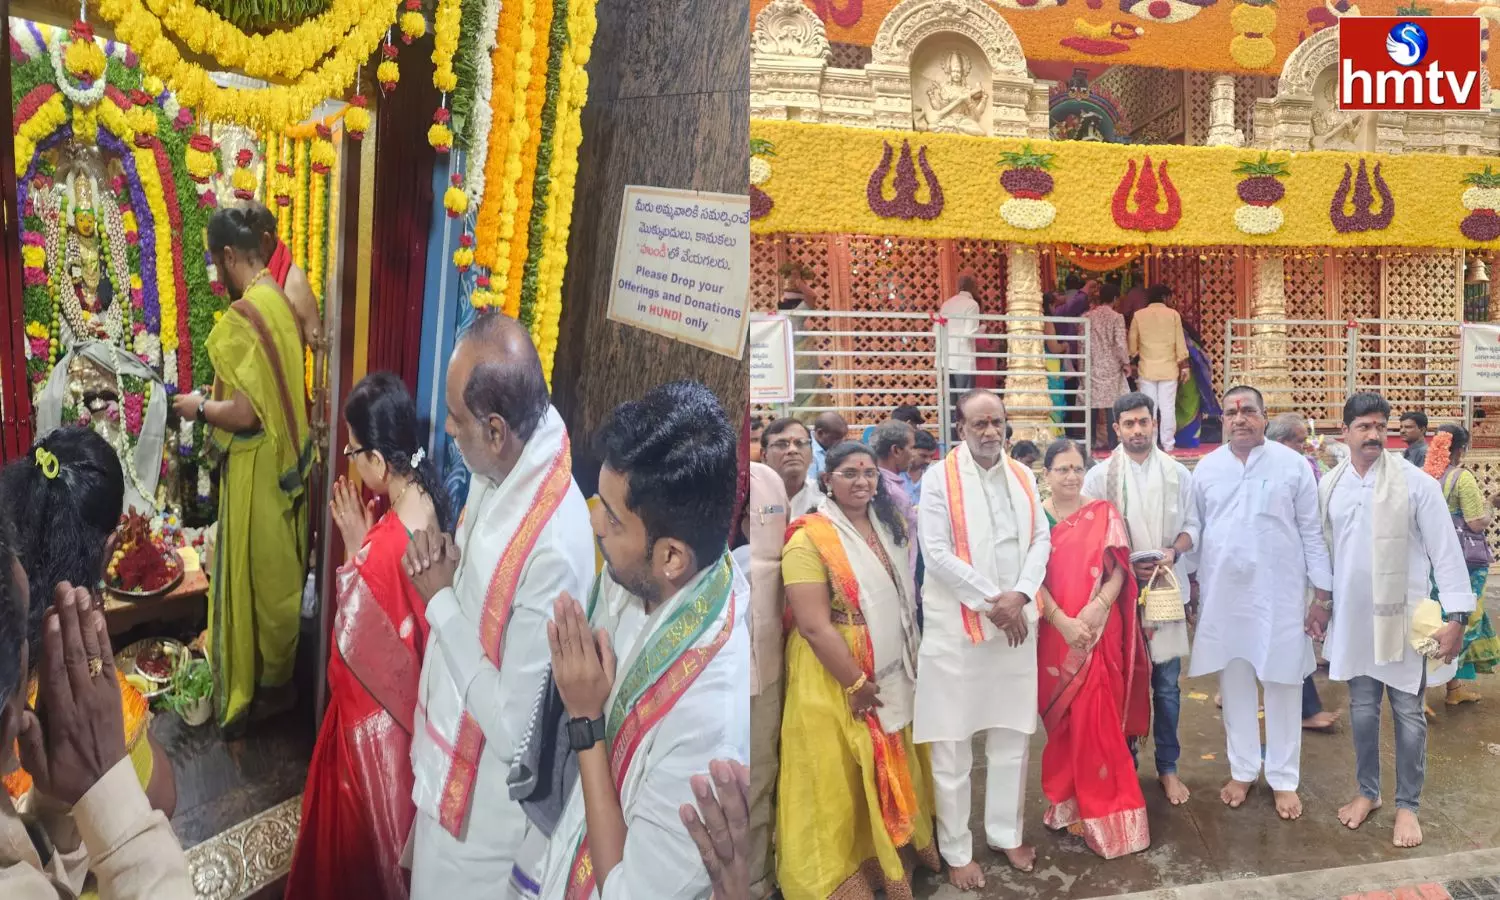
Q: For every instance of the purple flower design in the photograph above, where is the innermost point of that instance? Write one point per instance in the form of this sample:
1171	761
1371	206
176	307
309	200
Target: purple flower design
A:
904	205
145	228
1364	218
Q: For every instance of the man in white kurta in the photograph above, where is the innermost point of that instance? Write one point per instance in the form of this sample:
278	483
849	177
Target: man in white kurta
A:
1261	546
523	538
985	543
1154	494
1374	503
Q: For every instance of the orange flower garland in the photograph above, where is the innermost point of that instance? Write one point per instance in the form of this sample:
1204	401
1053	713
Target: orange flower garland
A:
536	96
1439	452
487	225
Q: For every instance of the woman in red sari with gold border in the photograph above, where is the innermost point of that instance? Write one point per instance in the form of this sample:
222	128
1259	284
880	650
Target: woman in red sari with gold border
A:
1093	671
357	809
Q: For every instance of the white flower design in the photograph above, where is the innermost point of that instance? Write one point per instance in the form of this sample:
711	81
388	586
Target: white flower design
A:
1258	219
1031	215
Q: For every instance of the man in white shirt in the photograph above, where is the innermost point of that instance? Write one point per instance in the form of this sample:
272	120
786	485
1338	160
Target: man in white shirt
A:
670	610
765	525
786	446
1260	547
1154	494
960	310
1388	526
523	539
985	543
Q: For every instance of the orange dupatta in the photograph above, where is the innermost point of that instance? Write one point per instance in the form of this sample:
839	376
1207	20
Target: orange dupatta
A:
973	622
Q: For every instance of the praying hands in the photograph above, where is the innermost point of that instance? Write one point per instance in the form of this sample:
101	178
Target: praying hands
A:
583	662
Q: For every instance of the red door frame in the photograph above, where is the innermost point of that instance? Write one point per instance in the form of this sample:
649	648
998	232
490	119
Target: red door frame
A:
15	389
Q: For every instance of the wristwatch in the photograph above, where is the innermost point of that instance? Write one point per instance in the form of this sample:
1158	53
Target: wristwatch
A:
1461	618
585	733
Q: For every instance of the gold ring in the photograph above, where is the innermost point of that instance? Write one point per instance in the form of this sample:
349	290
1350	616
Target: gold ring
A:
96	667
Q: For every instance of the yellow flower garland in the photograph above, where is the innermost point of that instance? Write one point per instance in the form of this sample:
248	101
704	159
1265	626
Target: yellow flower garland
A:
316	237
514	262
503	60
445	24
567	136
823	171
277	106
49	117
515	147
268	153
299	204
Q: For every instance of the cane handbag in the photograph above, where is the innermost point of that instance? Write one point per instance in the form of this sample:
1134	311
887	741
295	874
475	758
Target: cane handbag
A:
1476	549
1162	597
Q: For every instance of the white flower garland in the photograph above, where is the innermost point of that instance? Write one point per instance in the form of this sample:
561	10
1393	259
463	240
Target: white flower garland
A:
80	97
1031	215
484	76
1481	198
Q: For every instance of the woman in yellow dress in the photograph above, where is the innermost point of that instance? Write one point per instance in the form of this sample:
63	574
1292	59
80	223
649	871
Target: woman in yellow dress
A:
258	420
854	791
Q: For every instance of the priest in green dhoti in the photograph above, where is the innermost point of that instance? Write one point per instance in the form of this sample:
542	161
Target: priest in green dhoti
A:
259	425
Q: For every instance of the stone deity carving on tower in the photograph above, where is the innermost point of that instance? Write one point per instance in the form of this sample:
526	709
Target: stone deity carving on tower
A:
954	104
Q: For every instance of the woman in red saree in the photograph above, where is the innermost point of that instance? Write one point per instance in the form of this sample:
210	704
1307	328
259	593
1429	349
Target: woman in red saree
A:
356	808
1094	673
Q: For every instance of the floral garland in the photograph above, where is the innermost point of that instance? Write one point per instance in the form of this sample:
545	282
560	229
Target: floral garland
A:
520	130
50	114
1106	195
484	86
299	204
536	152
1439	454
90	93
466	61
280	105
581	27
502	106
445	24
520	301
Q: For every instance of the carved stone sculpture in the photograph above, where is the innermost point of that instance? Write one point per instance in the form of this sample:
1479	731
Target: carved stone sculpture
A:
955	105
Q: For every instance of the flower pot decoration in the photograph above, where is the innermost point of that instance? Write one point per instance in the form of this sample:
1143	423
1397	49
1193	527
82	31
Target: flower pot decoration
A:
1482	199
1254	21
761	151
1259	189
1028	182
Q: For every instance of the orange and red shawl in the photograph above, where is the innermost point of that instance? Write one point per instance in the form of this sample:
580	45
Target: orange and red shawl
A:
893	782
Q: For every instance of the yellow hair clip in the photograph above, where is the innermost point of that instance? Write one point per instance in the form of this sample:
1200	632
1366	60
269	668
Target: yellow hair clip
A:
46	460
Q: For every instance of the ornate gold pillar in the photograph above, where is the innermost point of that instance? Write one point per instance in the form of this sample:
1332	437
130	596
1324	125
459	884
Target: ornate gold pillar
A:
1221	130
1266	368
1027	400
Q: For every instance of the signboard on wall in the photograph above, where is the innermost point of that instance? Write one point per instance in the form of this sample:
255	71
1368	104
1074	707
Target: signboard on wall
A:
1479	360
682	267
773	372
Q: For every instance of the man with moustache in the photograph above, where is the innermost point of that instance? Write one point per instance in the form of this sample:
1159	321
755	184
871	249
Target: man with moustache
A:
1154	494
523	539
985	544
1387	527
786	447
1260	547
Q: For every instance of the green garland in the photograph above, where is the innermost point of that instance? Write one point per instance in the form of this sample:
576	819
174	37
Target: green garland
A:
536	231
466	67
265	15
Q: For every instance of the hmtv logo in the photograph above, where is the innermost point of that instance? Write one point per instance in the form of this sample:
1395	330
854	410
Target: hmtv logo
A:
1425	63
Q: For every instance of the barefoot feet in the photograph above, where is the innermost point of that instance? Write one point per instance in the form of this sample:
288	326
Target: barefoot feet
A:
1234	793
1354	813
1177	792
966	878
1022	858
1408	831
1288	805
1323	721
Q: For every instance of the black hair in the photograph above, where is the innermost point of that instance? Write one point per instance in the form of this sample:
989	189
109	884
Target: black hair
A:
58	526
1048	299
1072	282
967	282
1108	293
383	418
889	437
1132	401
1024	449
925	441
1158	293
1416	417
1364	404
678	452
1061	446
265	222
1009	431
14	624
908	414
1460	437
777	427
512	388
884	507
966	396
238	227
1247	389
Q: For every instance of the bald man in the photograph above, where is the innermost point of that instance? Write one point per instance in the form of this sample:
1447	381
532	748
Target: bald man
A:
828	429
524	538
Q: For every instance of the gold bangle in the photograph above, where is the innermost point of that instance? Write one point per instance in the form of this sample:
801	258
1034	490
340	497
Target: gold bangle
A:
853	689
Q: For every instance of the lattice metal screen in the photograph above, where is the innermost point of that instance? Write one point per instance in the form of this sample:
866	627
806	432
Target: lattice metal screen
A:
893	275
985	260
1305	286
1419	287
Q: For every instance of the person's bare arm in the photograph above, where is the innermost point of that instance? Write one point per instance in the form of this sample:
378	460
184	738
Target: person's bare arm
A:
235	415
304	305
161	793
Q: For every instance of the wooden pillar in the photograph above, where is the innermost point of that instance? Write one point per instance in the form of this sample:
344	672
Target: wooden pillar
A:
667	107
1030	404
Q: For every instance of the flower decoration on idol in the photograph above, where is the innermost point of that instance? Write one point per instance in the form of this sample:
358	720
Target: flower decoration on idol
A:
1259	189
903	203
1026	179
243	180
440	136
413	25
455	198
761	151
83	57
1149	191
321	155
388	73
357	117
1482	199
463	257
201	162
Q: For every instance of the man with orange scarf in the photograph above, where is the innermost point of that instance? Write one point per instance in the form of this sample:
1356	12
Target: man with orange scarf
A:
985	543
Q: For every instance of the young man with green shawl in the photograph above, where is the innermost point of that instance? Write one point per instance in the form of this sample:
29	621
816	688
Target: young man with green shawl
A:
258	424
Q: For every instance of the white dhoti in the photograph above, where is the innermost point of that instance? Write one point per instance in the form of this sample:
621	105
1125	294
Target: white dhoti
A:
1283	747
1005	755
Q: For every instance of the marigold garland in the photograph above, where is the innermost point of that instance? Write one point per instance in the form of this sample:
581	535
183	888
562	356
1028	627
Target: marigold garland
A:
520	129
445	31
299	204
1439	453
357	117
499	148
413	24
536	154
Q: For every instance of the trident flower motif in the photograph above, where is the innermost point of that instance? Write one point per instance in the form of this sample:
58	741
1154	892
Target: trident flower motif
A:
904	204
1364	217
1148	190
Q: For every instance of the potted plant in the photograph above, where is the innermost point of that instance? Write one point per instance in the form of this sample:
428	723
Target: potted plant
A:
191	692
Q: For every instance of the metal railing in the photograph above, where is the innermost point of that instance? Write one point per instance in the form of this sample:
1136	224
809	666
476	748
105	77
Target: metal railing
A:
838	370
1412	363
